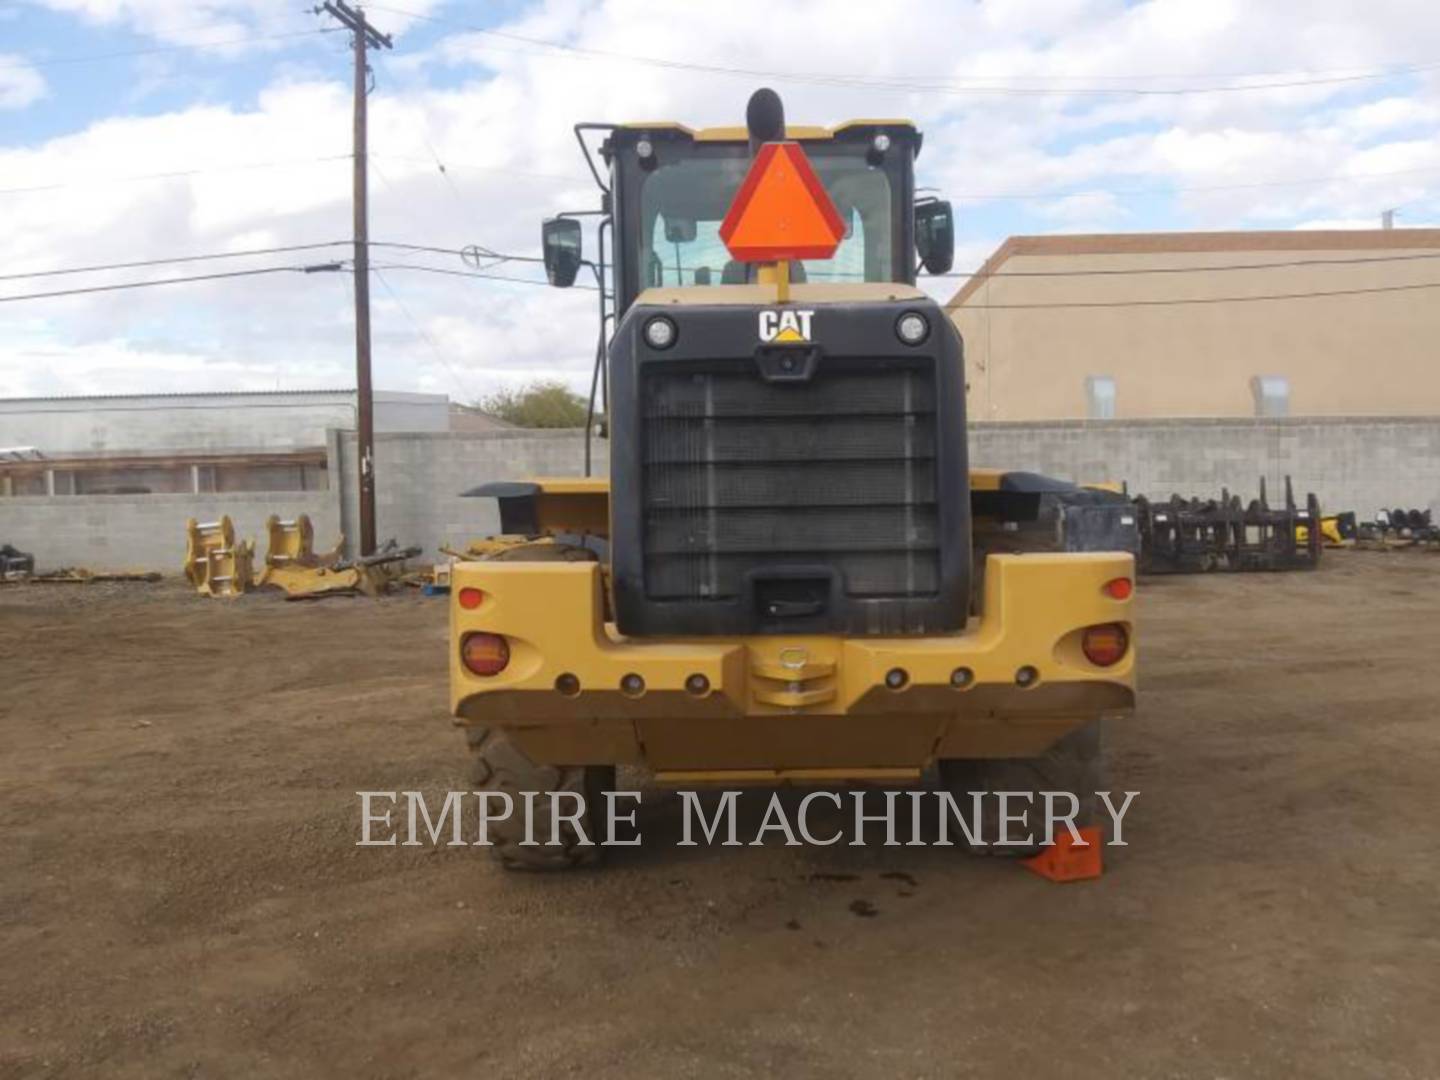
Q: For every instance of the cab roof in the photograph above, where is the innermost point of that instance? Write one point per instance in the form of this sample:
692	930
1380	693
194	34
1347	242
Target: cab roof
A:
797	132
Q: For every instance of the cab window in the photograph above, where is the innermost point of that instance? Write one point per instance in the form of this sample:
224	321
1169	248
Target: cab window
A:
684	200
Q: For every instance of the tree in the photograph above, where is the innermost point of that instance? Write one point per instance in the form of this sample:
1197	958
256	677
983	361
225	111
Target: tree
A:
547	403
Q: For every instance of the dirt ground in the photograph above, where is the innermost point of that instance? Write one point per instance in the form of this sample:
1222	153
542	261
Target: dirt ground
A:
180	893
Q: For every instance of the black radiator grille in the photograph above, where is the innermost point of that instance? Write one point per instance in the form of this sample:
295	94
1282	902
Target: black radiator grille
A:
838	471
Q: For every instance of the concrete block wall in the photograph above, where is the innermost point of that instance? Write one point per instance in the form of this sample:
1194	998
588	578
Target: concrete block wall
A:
419	478
147	532
1351	463
1359	464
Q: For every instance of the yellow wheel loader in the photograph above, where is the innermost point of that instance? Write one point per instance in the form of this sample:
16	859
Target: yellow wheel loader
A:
791	574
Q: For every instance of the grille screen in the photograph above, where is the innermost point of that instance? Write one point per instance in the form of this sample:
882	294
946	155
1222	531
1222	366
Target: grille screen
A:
837	471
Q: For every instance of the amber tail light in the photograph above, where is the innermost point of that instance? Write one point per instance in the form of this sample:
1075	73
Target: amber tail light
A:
484	654
1105	645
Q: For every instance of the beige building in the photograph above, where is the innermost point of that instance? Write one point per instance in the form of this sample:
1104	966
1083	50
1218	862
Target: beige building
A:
1299	323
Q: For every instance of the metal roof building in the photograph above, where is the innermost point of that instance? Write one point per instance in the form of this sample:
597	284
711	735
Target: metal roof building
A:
177	443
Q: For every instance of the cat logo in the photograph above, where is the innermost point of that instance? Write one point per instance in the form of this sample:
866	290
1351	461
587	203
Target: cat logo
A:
785	327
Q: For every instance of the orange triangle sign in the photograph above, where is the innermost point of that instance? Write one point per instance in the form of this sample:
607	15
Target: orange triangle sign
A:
781	211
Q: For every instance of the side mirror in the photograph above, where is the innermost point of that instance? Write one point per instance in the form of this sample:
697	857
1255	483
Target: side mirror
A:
935	235
560	240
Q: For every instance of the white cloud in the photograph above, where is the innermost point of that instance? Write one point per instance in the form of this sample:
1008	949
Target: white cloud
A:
1366	223
498	112
1083	213
1387	114
20	84
226	25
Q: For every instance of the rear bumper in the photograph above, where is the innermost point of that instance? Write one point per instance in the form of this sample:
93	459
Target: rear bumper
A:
792	704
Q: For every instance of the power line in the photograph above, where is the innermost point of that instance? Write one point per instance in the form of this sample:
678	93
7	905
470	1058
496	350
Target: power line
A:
502	257
430	146
177	174
153	50
502	169
477	274
98	268
1398	67
1222	268
419	247
1039	196
463	253
1099	272
465	391
1046	305
1049	305
168	281
912	85
1048	195
1180	301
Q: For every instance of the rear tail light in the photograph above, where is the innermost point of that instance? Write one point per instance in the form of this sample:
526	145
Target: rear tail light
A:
1119	588
471	598
484	654
1105	645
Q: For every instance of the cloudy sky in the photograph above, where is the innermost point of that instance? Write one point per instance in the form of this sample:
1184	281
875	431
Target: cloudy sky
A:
135	130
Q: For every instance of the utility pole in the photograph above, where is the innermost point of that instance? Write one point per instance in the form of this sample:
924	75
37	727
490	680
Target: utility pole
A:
365	36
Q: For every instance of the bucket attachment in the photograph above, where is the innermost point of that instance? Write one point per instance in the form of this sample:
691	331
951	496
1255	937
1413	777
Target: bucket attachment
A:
214	563
291	562
292	543
372	575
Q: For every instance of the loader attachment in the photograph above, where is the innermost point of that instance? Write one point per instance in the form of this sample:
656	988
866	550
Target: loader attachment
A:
1187	536
214	562
291	562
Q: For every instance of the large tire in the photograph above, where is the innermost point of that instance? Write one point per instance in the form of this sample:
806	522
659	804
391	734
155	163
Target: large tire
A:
1074	764
499	765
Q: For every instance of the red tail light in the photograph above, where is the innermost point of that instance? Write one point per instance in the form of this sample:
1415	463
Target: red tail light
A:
1105	645
1119	588
470	598
484	654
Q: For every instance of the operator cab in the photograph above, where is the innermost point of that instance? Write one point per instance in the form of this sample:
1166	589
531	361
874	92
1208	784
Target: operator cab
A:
670	187
782	460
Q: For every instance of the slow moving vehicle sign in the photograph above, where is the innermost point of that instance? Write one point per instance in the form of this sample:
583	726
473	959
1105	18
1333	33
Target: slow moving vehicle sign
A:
782	211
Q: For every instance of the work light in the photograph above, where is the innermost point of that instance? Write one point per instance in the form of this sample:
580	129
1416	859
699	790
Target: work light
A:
912	328
660	332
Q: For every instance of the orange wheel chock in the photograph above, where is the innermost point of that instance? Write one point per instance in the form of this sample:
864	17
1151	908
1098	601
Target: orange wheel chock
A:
1067	860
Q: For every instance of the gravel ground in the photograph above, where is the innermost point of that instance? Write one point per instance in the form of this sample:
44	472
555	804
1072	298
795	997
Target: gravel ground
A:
180	893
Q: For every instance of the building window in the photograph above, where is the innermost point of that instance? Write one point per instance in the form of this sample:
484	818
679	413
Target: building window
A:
1272	395
1100	396
97	477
